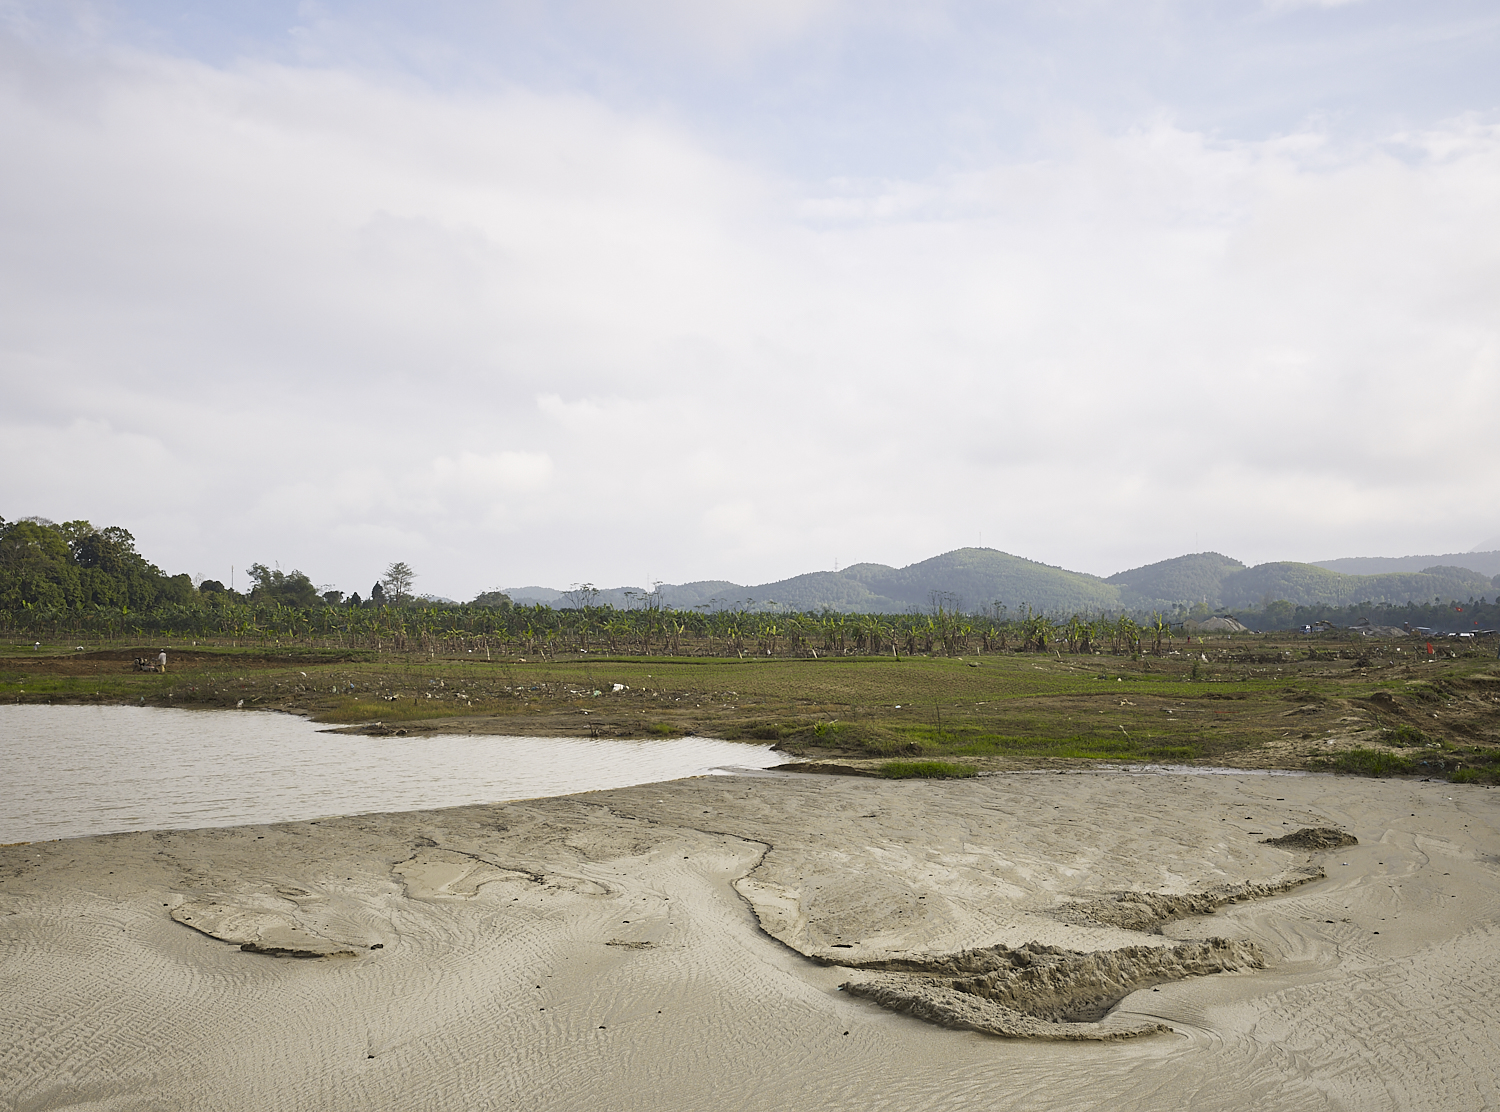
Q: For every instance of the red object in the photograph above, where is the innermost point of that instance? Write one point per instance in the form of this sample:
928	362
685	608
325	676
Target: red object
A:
1429	648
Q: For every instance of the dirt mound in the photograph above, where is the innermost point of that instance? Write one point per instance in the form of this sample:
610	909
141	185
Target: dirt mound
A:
1314	837
1040	991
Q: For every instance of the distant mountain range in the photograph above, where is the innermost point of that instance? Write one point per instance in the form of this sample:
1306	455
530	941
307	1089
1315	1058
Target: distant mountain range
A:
1485	563
973	579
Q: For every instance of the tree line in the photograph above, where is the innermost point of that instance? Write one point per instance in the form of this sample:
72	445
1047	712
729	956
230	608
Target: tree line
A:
78	581
74	566
49	566
544	632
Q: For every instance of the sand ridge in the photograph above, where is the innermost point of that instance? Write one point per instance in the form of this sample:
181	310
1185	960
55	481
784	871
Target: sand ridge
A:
649	948
1046	992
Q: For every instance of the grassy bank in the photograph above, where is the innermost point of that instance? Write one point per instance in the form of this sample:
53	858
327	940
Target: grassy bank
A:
1248	701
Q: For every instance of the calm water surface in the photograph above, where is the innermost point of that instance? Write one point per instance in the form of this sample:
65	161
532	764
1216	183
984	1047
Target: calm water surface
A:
71	771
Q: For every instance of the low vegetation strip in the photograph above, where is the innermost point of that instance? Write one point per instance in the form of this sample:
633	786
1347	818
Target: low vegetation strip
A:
1342	704
1370	762
926	770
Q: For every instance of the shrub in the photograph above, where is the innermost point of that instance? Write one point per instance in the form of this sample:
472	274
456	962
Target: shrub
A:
1405	736
1370	762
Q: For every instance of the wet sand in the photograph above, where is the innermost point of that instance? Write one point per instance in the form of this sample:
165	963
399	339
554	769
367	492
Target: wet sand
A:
684	945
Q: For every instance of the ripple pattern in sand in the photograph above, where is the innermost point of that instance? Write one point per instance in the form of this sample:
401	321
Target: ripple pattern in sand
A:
596	955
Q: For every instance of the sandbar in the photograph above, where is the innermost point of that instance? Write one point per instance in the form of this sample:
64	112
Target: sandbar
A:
1037	940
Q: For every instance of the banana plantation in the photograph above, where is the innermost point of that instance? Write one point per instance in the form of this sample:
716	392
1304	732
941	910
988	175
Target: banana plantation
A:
542	632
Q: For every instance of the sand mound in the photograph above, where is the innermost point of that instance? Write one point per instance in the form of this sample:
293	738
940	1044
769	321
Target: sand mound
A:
1314	837
439	874
1147	911
1040	991
267	923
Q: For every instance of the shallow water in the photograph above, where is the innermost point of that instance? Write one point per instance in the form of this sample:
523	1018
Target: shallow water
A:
73	771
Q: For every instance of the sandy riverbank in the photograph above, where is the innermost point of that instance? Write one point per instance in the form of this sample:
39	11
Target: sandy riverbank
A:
683	946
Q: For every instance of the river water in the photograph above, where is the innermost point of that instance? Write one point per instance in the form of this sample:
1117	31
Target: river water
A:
70	771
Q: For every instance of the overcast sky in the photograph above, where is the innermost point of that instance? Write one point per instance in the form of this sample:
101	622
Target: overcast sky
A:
629	290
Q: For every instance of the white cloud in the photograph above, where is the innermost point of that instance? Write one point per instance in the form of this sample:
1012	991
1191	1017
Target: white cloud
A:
1277	5
110	467
491	475
727	29
517	338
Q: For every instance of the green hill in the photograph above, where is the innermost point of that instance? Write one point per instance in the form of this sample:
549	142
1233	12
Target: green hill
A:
1186	579
848	590
968	578
974	579
977	578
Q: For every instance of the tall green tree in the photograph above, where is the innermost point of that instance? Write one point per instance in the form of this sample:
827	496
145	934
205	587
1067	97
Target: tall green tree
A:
74	564
285	588
36	567
397	581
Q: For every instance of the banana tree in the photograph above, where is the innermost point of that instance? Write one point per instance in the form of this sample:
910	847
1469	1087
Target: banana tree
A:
1160	632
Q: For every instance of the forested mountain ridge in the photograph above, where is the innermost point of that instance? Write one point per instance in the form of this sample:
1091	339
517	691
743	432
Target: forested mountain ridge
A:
75	565
1219	582
1485	563
967	579
976	579
1310	585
